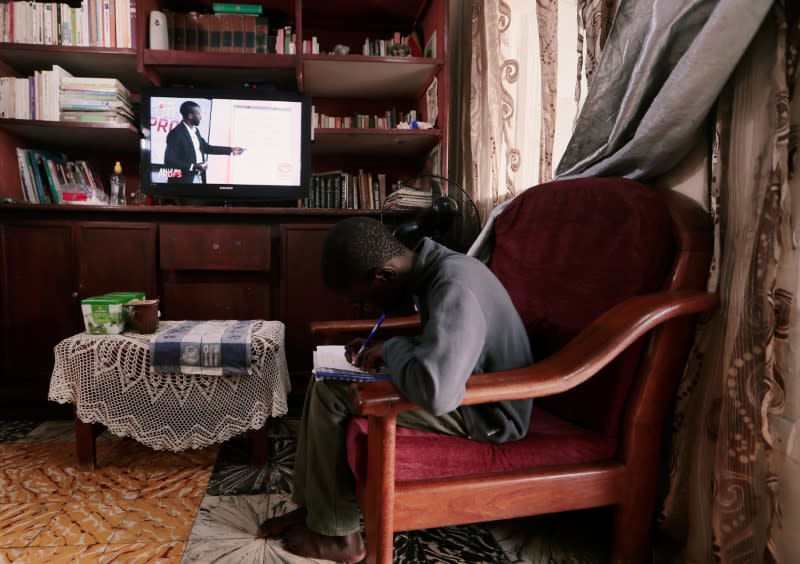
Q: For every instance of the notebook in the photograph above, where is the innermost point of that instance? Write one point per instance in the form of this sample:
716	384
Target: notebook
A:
330	363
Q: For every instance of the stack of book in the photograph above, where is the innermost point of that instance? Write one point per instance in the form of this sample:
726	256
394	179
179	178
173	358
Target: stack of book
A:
403	198
95	100
51	178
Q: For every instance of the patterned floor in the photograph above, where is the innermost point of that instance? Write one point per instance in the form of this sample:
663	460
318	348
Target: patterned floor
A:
204	506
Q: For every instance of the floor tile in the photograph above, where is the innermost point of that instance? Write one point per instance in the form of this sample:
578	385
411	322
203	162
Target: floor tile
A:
51	432
143	553
157	520
179	482
250	551
238	516
38	484
53	555
448	545
233	474
12	431
577	536
20	456
83	523
21	523
110	483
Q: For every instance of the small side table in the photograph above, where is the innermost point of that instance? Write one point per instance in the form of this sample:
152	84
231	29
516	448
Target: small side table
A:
111	383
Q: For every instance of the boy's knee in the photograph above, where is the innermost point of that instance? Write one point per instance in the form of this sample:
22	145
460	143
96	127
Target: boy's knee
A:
334	395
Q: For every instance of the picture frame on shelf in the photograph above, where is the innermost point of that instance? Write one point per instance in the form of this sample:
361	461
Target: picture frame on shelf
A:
430	46
432	100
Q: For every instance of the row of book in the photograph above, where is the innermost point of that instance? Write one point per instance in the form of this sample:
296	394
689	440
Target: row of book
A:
343	190
57	95
388	120
223	32
51	178
96	23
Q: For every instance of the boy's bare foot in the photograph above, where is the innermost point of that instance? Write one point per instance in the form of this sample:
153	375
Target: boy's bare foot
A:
276	526
303	541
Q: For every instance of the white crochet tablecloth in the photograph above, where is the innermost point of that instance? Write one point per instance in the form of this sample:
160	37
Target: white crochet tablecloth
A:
110	381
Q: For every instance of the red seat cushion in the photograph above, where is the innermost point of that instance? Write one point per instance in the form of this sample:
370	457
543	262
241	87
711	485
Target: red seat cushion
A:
569	250
421	455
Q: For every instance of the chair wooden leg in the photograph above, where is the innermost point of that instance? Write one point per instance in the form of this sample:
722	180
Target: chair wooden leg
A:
85	445
632	534
379	510
259	446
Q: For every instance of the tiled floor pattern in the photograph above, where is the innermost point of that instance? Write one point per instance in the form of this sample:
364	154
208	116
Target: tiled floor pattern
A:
142	505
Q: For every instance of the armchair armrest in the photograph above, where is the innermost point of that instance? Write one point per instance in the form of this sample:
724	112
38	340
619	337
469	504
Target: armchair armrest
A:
340	331
328	328
580	359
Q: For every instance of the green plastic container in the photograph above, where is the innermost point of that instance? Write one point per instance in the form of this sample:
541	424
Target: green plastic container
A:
103	315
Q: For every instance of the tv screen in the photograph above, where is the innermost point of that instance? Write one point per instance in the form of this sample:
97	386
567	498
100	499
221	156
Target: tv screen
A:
248	145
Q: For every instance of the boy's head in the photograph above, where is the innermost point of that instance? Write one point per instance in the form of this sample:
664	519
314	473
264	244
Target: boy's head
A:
362	259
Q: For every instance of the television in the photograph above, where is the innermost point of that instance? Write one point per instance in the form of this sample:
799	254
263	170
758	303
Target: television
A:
235	146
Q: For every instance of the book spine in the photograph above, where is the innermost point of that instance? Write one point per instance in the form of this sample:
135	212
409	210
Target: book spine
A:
262	31
191	23
132	31
249	33
237	27
203	40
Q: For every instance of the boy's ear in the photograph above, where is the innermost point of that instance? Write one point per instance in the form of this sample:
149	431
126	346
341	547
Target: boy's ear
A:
385	273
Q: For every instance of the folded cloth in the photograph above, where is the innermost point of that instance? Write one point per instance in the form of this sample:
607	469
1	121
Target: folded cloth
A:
214	348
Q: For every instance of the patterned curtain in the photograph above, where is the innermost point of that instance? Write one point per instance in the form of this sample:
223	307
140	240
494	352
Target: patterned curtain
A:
530	66
734	467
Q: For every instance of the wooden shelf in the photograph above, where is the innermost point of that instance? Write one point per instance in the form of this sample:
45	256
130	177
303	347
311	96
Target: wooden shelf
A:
63	135
202	68
374	142
360	76
79	61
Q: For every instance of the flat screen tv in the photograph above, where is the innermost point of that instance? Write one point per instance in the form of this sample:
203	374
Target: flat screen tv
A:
240	146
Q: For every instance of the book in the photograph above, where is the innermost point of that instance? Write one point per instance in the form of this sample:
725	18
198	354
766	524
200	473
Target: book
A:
330	363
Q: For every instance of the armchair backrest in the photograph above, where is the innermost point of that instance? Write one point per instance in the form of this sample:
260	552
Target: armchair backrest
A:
569	250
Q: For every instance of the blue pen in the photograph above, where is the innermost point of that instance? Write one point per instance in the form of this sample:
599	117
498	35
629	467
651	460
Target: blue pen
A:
371	334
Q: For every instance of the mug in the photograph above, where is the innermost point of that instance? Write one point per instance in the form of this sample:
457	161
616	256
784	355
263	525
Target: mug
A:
143	315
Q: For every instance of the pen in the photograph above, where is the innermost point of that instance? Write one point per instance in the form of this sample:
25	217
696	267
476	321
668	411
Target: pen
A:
371	334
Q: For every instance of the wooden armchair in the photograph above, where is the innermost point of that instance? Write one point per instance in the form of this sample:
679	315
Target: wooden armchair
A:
607	275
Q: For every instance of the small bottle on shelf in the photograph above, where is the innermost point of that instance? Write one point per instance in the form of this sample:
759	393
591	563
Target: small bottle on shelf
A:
116	196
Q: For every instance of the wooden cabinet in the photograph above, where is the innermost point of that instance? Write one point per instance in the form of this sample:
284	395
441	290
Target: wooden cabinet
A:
215	271
304	298
255	263
47	268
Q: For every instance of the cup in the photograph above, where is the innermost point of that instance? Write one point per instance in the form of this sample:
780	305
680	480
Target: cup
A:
143	315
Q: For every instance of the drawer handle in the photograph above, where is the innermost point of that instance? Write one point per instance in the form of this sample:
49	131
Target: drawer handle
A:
215	246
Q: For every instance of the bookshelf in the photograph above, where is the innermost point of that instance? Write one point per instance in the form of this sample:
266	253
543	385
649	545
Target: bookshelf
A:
52	256
68	136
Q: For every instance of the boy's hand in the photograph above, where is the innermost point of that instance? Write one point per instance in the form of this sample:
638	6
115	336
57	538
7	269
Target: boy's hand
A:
371	360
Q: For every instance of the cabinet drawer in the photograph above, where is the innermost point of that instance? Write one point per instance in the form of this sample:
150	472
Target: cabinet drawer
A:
214	247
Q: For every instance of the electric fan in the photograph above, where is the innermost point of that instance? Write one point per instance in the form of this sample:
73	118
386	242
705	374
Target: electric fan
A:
446	213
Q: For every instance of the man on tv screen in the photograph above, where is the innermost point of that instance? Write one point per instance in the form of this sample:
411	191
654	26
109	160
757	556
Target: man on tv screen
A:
187	150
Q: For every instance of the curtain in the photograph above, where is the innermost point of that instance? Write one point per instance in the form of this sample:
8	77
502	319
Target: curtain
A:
663	65
735	464
528	68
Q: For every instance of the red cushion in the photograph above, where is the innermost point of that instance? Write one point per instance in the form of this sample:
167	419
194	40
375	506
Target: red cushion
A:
569	250
420	455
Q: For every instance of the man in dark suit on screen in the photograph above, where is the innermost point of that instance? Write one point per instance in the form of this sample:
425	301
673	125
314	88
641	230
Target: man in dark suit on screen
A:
187	150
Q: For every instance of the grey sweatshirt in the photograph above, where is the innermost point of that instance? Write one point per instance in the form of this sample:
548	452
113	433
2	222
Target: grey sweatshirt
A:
469	326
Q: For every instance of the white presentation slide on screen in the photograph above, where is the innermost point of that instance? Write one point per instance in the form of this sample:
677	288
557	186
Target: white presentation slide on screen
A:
269	131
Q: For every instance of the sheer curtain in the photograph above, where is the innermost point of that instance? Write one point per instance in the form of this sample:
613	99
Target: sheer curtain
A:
735	460
527	65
